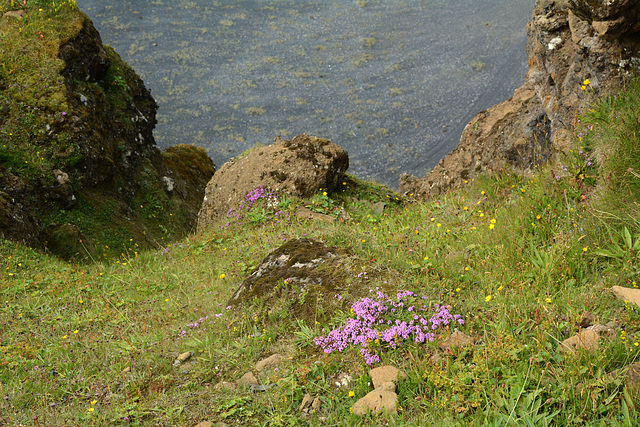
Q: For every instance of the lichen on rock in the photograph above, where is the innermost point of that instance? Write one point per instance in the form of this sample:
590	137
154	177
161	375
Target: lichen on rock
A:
300	272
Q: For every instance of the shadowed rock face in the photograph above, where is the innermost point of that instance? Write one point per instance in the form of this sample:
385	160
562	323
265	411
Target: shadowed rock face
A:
569	42
298	167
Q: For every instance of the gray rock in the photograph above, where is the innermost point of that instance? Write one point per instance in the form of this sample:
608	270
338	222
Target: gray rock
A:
257	388
613	324
604	331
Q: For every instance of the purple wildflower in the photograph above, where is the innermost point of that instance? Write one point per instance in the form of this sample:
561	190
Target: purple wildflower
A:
380	321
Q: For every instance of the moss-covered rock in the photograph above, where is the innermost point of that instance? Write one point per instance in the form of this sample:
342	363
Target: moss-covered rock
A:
77	141
69	242
304	274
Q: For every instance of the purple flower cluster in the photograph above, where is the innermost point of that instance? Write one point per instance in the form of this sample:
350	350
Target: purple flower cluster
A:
381	321
252	197
256	194
168	248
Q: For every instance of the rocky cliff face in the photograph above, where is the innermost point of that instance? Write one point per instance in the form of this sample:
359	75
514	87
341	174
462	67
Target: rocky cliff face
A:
98	173
579	50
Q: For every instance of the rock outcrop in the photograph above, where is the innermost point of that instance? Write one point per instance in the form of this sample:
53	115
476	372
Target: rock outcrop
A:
299	167
579	50
86	158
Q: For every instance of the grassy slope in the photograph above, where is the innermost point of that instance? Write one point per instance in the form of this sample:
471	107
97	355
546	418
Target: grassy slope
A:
520	259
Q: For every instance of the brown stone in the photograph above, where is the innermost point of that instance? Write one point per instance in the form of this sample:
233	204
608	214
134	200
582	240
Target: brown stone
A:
15	14
376	401
205	424
299	167
385	374
586	340
627	294
248	379
456	340
307	401
608	27
184	356
268	363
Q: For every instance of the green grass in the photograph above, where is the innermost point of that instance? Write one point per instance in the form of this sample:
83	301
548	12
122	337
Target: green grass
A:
520	259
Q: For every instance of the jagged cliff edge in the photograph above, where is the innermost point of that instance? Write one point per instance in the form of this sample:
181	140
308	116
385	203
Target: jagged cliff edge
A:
569	42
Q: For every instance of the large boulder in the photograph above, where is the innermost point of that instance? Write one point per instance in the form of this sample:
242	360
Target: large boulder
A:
301	272
569	42
298	167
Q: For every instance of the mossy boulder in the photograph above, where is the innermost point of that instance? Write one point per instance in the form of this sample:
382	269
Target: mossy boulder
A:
304	274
